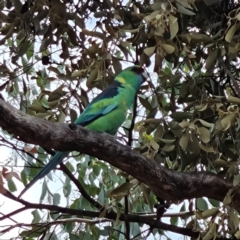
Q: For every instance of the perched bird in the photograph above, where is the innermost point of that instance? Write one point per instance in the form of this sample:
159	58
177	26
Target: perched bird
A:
105	113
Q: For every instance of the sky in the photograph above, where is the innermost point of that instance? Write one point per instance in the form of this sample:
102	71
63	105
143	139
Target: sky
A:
7	205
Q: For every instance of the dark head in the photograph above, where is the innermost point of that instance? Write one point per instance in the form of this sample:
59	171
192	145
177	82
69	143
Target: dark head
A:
133	76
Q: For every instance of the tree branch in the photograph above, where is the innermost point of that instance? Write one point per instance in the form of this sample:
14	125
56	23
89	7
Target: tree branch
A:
80	187
109	215
62	221
129	143
168	184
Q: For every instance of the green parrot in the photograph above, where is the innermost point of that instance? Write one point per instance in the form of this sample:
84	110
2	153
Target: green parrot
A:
105	113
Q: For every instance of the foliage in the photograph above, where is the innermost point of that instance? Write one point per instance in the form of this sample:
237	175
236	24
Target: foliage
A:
55	54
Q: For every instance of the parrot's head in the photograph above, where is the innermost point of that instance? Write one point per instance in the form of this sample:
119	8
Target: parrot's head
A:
133	76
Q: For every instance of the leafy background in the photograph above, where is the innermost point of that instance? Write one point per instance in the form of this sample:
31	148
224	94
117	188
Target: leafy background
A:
187	116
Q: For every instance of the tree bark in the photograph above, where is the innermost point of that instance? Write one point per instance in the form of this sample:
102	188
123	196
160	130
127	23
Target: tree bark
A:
167	184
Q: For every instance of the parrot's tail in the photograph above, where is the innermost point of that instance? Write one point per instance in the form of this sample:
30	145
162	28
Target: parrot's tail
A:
56	159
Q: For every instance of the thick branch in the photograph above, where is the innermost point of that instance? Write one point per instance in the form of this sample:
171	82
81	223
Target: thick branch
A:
165	183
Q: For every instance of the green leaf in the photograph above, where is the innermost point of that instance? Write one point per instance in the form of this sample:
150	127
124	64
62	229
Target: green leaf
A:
135	229
37	106
24	175
56	199
67	187
183	208
101	196
85	204
73	115
44	190
54	215
27	168
174	221
29	234
69	227
34	169
57	94
30	51
85	235
44	102
27	66
42	155
61	117
70	167
73	236
202	204
11	185
23	48
81	170
145	103
84	98
76	204
96	169
214	202
114	178
36	216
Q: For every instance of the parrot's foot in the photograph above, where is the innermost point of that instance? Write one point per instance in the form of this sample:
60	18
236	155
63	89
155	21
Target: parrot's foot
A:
72	126
161	207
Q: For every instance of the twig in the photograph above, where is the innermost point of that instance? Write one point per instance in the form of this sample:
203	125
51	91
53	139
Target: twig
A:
130	140
80	187
62	221
236	86
109	215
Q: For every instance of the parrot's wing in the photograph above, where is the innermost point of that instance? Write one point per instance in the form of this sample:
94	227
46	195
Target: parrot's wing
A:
103	104
94	113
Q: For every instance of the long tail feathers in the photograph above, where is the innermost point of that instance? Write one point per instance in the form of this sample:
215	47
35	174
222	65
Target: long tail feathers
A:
56	159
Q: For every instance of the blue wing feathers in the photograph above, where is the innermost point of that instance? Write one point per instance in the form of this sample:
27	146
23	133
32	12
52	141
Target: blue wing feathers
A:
85	119
109	92
108	109
88	116
56	159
